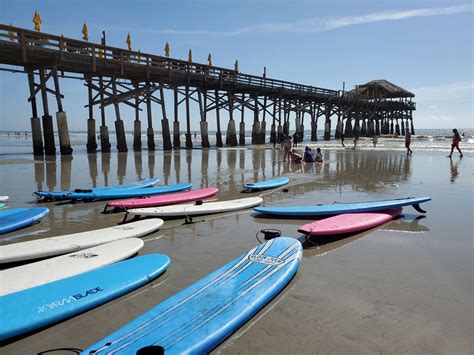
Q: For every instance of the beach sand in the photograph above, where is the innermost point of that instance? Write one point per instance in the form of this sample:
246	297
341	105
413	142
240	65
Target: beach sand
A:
405	287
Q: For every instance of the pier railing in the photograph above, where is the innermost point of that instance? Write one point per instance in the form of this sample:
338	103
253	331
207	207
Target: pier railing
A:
29	48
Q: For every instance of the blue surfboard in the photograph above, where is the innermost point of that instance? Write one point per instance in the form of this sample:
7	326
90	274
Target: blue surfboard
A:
17	218
338	208
124	193
24	311
201	316
62	195
269	184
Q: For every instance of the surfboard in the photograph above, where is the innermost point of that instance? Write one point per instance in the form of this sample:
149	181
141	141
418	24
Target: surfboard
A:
4	198
124	193
348	222
170	199
42	272
338	208
198	318
269	184
47	247
62	195
37	307
16	218
191	209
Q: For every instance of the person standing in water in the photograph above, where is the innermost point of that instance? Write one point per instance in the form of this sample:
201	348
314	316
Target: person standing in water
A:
455	144
408	141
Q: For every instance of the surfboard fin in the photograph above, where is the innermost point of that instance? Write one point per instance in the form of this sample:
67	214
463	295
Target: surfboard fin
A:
417	207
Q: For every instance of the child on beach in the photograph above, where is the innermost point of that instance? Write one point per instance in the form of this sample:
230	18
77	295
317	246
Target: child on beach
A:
408	141
295	157
455	144
374	141
308	155
319	156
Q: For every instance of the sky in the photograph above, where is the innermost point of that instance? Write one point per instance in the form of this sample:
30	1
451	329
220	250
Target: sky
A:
423	46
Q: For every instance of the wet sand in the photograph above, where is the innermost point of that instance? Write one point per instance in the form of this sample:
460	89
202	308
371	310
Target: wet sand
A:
405	287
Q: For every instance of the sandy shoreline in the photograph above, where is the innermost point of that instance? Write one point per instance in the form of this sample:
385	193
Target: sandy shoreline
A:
405	287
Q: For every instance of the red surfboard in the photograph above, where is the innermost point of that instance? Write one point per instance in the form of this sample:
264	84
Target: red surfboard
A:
163	200
349	222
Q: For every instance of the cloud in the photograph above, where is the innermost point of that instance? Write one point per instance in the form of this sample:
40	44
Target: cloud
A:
458	90
317	24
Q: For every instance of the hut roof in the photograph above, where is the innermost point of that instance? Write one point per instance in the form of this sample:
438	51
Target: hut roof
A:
384	88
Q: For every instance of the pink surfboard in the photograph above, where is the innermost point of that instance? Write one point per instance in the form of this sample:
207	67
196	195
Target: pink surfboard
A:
349	222
163	200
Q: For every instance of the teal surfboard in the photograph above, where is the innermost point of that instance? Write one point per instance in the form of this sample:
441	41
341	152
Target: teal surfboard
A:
16	218
269	184
198	318
62	195
338	208
128	193
36	307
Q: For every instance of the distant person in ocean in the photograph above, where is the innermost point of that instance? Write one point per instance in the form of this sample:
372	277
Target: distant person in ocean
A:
342	140
319	156
286	145
295	157
455	144
408	141
374	140
308	155
295	139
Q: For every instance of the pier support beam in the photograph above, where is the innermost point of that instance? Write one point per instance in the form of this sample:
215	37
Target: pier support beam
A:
189	141
256	123
337	135
327	124
137	126
104	130
218	121
403	127
231	135
242	122
176	142
47	120
348	129
150	134
61	120
35	121
137	135
314	122
63	132
165	126
91	145
203	123
363	131
119	128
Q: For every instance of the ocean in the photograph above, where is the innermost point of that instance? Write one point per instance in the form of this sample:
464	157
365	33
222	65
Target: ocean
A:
19	143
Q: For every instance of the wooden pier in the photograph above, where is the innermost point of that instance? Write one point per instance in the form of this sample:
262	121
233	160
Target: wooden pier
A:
116	76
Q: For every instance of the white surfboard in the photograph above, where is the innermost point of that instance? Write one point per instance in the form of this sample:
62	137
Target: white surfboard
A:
191	209
42	272
46	247
4	198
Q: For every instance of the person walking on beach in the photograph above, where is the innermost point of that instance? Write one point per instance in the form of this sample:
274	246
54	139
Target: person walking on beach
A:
408	141
286	145
342	140
455	144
